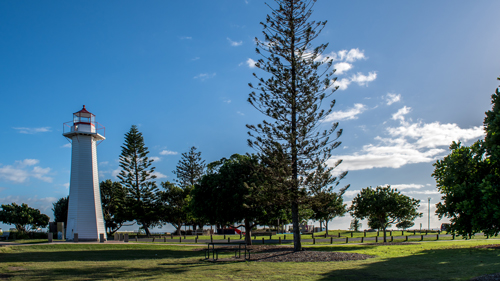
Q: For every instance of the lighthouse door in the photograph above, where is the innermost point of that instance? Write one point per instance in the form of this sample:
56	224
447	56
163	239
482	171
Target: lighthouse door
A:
70	229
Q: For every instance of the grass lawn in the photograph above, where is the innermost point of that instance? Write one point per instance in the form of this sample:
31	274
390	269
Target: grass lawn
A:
443	260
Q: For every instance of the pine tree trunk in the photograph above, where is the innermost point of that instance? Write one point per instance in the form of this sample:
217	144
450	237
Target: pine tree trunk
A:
326	226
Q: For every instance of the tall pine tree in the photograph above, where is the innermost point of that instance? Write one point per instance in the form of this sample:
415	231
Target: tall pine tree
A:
190	168
137	176
294	98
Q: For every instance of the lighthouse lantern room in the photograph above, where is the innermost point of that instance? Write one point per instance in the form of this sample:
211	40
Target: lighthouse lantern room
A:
84	208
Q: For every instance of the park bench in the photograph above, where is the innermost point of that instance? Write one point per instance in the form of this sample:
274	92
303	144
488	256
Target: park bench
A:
215	252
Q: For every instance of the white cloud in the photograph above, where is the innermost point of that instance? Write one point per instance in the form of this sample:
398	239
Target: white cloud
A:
159	175
342	67
24	130
351	193
19	172
195	58
405	186
228	101
186	38
251	63
400	115
240	113
342	83
168	152
66	185
392	98
68	145
234	43
204	76
362	79
116	172
418	192
155	158
407	144
104	163
349	114
344	55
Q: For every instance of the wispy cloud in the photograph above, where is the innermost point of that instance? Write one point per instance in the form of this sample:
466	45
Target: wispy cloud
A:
43	204
155	158
400	115
391	98
159	175
405	186
68	145
240	113
195	58
168	152
204	76
21	171
25	130
234	43
186	38
362	79
351	113
228	101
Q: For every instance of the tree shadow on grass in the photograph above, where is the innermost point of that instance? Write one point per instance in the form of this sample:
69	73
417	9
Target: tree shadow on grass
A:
434	264
97	255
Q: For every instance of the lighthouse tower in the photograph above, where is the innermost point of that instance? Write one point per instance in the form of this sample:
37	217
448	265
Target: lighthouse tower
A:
84	207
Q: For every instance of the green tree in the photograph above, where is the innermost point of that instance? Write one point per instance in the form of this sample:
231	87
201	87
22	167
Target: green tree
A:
355	224
384	206
60	209
469	180
137	177
294	98
326	206
175	204
190	168
23	217
232	191
113	200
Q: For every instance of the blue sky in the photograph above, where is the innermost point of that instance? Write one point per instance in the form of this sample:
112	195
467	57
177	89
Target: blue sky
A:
413	77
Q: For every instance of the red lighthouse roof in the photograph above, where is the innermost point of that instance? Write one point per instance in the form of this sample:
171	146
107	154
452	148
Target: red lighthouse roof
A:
83	113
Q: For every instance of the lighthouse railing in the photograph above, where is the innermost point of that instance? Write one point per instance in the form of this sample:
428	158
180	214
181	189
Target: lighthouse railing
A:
92	127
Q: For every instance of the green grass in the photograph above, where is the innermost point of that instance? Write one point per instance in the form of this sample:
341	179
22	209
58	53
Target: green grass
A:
443	260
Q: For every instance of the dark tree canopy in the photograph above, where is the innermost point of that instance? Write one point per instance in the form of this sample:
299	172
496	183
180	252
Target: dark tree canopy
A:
175	205
294	97
23	217
469	180
114	208
190	168
232	191
60	209
384	206
137	177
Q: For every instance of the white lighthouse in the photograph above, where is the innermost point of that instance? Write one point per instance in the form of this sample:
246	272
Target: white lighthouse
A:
84	207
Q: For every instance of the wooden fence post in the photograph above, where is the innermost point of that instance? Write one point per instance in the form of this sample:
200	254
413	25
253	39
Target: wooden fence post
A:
314	240
362	239
347	240
262	240
376	239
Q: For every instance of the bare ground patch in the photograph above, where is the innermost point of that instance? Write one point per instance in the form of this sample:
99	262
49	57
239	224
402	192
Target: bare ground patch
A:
273	253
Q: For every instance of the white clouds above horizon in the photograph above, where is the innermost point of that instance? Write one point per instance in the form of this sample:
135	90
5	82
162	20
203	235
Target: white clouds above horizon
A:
186	38
234	43
30	131
159	175
168	152
391	98
21	171
406	144
342	67
351	113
